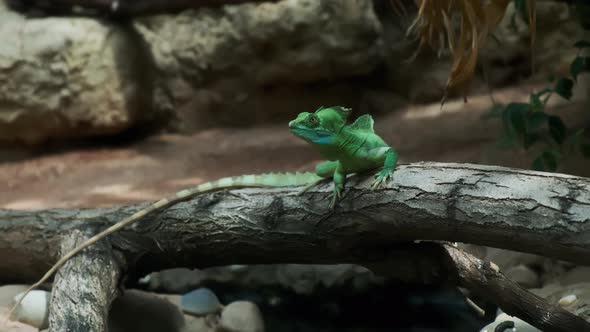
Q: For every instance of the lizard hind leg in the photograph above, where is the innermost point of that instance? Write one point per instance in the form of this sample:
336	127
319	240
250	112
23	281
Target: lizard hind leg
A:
339	181
324	170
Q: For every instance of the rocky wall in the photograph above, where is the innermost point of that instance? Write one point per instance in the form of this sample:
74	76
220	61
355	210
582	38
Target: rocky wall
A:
238	65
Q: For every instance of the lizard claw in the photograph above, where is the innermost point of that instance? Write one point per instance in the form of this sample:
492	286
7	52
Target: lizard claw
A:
381	178
336	196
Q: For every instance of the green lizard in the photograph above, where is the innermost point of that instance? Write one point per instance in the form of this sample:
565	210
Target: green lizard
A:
349	148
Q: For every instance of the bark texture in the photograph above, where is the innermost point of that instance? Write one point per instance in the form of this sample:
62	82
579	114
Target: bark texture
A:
84	288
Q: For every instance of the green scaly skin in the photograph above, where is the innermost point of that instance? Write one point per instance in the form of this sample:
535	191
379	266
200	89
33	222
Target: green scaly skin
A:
350	148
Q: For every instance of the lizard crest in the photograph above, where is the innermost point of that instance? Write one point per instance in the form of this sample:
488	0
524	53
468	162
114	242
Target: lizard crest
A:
320	127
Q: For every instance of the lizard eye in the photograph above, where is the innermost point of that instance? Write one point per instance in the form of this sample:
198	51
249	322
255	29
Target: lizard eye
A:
313	119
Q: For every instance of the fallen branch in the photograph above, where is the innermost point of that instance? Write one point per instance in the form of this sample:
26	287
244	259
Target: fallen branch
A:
453	266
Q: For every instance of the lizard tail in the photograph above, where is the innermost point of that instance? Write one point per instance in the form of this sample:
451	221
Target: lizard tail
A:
258	180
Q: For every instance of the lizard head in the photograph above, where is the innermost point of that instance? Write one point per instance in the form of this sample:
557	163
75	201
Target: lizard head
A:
320	127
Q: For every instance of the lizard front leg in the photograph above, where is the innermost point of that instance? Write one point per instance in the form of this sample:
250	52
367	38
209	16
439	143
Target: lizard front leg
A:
388	156
339	181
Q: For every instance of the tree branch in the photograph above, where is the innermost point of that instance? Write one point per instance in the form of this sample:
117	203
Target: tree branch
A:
84	288
527	211
534	212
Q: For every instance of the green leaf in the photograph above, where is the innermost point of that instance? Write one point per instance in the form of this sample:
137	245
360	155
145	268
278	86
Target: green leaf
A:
582	44
495	112
543	92
546	161
536	103
579	65
581	9
538	164
529	140
564	87
557	129
535	120
517	113
572	142
506	120
550	160
521	8
508	141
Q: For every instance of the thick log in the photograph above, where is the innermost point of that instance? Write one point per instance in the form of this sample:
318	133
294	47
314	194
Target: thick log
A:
535	212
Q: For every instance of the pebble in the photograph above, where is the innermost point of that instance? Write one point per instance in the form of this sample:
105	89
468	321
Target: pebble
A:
523	275
34	309
242	316
567	300
519	325
200	302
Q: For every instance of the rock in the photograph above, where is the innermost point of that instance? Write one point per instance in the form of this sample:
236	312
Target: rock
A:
200	302
244	63
198	324
301	278
510	60
505	57
480	252
567	300
519	325
523	275
68	77
236	65
241	316
576	275
574	298
34	309
506	259
141	311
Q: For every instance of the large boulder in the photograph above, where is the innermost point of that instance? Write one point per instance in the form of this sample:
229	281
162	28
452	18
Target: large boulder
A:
238	65
66	77
73	77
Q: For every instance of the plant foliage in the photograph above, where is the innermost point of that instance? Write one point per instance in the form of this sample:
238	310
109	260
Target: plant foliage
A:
462	27
527	124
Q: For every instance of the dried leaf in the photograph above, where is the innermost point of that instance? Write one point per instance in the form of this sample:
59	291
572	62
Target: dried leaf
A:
434	26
